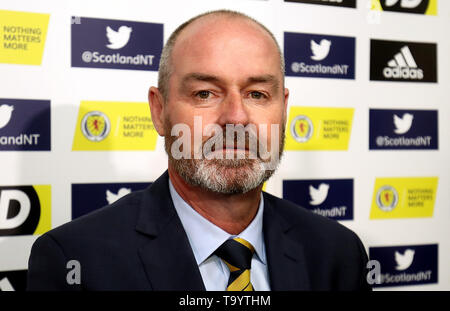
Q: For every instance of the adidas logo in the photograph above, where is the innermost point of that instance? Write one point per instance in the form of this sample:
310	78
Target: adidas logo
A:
403	66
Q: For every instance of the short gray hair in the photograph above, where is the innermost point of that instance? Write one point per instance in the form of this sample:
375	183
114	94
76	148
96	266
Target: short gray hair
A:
165	66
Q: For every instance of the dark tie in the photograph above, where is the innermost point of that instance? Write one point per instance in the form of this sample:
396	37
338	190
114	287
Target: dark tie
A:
237	254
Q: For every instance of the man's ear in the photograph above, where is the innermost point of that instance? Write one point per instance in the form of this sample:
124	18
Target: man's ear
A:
156	102
286	97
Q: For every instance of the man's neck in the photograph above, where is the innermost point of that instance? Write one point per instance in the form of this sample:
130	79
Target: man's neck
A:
230	212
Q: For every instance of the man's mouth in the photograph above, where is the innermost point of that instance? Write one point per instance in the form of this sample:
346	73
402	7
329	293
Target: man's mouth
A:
234	148
231	152
229	148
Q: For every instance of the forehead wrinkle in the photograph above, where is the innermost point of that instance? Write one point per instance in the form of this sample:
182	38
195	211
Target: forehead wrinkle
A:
198	77
266	79
195	76
269	79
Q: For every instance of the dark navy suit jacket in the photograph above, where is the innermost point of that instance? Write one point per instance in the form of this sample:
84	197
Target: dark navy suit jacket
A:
138	243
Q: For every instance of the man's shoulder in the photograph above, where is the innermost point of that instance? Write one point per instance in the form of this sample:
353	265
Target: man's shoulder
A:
108	221
306	223
334	254
104	244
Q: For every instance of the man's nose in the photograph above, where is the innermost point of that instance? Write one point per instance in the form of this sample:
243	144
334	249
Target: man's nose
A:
234	110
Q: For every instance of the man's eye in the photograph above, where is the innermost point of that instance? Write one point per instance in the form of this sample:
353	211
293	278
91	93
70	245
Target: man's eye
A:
203	94
256	95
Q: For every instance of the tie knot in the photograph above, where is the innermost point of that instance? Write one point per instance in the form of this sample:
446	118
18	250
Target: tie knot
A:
237	254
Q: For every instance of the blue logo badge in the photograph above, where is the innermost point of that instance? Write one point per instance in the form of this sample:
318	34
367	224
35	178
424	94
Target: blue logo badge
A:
406	265
116	44
319	56
89	197
332	198
24	124
403	129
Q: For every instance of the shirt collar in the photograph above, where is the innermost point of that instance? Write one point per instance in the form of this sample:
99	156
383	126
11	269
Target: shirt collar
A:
205	237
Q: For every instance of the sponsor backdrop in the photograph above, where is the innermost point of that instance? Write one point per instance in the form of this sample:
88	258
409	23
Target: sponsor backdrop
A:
367	134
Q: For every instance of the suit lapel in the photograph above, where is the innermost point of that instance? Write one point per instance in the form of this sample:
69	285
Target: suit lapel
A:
167	255
170	263
285	258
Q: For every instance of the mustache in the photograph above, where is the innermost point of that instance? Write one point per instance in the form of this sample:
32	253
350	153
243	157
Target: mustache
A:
225	142
239	139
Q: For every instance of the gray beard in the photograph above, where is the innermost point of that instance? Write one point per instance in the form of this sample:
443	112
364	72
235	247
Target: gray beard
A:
227	176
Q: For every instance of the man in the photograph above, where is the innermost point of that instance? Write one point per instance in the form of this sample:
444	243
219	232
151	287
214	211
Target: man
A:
205	224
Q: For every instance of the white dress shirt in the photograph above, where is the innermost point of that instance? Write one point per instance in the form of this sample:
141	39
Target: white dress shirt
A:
205	237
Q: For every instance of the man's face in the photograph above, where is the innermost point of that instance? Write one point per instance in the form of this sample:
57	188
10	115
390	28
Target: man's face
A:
225	71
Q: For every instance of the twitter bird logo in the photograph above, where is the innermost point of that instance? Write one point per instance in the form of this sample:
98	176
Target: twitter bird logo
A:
318	195
112	197
5	114
405	260
118	39
403	124
320	51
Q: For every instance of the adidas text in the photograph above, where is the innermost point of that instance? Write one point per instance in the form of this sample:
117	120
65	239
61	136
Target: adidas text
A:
403	73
